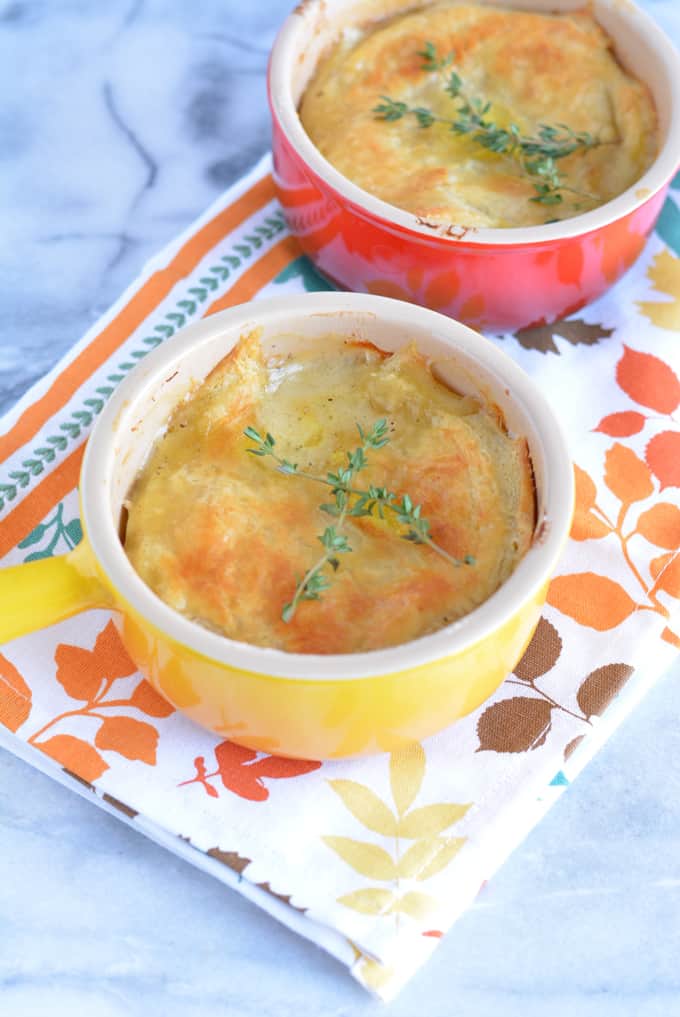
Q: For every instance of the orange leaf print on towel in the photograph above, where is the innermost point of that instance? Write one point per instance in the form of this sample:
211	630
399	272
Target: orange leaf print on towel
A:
666	572
75	755
648	380
597	601
134	739
15	696
592	600
586	525
88	676
586	492
231	760
242	772
652	383
281	767
146	699
622	425
78	672
663	456
112	656
627	476
670	637
660	525
81	672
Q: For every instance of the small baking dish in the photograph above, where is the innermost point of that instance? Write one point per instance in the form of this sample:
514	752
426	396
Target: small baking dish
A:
496	279
304	705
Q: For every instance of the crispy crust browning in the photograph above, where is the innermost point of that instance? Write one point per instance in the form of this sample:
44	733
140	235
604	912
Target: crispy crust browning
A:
223	537
533	68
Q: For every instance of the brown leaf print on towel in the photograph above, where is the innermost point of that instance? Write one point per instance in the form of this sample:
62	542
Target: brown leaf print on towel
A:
523	723
600	687
239	863
576	332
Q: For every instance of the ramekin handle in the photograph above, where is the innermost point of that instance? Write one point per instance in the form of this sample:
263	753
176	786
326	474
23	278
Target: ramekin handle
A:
40	593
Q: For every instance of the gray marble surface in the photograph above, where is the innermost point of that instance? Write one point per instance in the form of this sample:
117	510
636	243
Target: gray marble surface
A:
119	122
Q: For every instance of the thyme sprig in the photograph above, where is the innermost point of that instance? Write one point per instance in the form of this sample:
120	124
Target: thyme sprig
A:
431	62
349	502
537	154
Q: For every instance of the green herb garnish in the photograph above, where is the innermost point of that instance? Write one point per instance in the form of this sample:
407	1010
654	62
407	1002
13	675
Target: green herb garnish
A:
537	154
349	502
431	61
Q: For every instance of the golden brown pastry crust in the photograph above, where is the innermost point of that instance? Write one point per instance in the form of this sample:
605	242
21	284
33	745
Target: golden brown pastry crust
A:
533	68
223	537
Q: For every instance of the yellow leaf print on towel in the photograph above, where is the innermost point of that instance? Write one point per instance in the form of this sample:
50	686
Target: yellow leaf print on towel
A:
416	848
665	274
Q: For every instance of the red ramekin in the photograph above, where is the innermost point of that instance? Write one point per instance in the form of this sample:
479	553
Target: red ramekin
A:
496	279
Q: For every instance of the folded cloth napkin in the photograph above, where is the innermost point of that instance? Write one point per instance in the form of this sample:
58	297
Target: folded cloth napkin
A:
373	858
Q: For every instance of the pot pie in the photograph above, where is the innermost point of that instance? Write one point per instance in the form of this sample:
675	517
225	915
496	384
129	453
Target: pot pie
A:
532	69
224	536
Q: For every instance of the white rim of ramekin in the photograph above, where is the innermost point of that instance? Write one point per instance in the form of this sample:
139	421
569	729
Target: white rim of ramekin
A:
532	572
285	53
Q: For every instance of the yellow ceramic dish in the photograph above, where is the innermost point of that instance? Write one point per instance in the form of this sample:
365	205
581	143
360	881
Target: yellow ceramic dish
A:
305	705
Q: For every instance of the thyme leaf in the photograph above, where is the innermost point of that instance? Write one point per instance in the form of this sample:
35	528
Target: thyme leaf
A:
430	60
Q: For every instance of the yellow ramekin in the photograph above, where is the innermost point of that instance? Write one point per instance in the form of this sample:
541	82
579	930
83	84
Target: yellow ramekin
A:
305	705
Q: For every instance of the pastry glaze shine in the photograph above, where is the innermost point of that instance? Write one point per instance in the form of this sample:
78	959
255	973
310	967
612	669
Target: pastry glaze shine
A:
534	69
223	537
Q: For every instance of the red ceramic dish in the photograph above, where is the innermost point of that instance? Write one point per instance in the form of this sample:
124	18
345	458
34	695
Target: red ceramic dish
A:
497	279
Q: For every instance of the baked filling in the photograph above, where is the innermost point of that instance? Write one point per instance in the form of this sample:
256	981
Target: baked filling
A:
224	536
533	69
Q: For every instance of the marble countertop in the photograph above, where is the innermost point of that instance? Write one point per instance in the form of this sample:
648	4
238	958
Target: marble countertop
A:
120	122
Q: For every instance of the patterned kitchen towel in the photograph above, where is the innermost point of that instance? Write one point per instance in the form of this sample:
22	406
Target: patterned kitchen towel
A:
372	859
